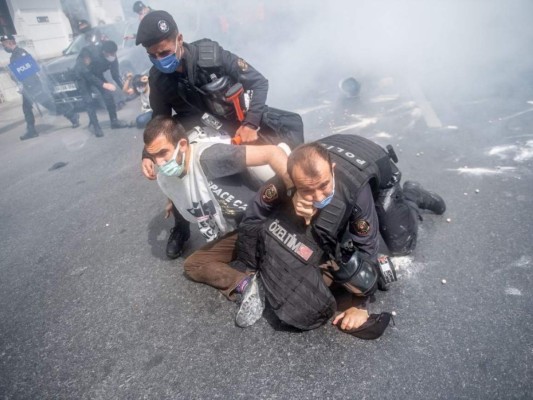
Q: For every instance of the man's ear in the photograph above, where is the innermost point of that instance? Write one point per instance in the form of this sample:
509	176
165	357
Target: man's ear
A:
180	39
333	166
183	145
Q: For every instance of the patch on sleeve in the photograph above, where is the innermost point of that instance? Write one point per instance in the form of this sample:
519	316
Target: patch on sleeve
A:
270	193
243	65
361	227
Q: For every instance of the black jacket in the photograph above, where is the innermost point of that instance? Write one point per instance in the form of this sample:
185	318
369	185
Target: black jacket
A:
175	92
17	53
94	72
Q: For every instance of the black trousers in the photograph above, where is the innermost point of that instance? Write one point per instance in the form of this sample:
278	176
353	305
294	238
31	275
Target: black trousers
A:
27	109
84	86
398	220
37	92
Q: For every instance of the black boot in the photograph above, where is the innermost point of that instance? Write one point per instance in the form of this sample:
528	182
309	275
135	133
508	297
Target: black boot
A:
30	133
422	198
95	128
178	236
74	119
118	124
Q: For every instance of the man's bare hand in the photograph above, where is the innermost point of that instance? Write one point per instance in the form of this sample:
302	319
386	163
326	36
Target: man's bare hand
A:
109	86
148	168
303	207
352	318
168	208
247	134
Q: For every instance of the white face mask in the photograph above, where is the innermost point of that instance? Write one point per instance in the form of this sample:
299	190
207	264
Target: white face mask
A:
110	58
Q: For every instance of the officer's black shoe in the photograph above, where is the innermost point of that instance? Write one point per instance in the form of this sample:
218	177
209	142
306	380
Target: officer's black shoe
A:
74	119
178	236
96	130
31	133
118	124
423	198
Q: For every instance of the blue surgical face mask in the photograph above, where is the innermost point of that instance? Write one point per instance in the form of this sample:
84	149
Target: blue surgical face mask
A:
168	64
171	167
325	201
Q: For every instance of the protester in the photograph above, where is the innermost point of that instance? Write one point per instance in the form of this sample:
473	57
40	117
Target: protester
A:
138	85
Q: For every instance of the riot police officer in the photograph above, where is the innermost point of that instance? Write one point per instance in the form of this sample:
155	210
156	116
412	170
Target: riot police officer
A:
191	79
91	64
141	9
33	89
345	186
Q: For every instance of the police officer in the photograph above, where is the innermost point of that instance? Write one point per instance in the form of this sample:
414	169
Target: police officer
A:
90	34
191	79
141	9
91	64
335	183
33	90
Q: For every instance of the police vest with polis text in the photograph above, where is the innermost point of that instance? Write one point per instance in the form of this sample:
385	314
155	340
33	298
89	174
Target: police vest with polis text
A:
291	252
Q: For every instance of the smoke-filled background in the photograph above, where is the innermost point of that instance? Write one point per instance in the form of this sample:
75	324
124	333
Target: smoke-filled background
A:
471	48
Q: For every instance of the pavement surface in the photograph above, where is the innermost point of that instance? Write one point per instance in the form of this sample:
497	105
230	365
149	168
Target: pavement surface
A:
92	309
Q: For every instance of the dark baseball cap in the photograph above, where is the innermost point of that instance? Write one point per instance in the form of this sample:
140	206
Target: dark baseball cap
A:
6	37
155	27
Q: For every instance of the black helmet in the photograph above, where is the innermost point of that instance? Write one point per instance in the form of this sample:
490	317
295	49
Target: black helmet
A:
138	6
84	25
359	272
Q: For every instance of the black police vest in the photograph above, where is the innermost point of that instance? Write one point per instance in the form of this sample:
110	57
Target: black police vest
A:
288	261
358	161
290	252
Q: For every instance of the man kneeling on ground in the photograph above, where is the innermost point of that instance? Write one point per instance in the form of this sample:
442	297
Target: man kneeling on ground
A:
209	183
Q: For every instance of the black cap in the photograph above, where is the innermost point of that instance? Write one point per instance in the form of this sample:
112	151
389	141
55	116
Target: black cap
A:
155	27
138	6
6	37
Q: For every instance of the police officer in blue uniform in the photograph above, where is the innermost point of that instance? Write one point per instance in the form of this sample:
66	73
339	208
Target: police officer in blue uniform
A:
33	90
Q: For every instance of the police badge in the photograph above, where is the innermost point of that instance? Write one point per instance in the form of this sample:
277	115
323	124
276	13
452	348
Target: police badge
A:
162	25
270	193
243	65
361	227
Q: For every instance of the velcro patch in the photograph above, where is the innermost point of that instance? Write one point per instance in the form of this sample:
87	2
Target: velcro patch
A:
361	227
290	241
270	193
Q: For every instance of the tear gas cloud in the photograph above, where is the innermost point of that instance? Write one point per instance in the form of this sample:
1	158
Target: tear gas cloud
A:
455	46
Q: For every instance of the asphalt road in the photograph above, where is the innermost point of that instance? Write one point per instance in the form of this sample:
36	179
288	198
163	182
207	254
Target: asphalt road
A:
92	309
